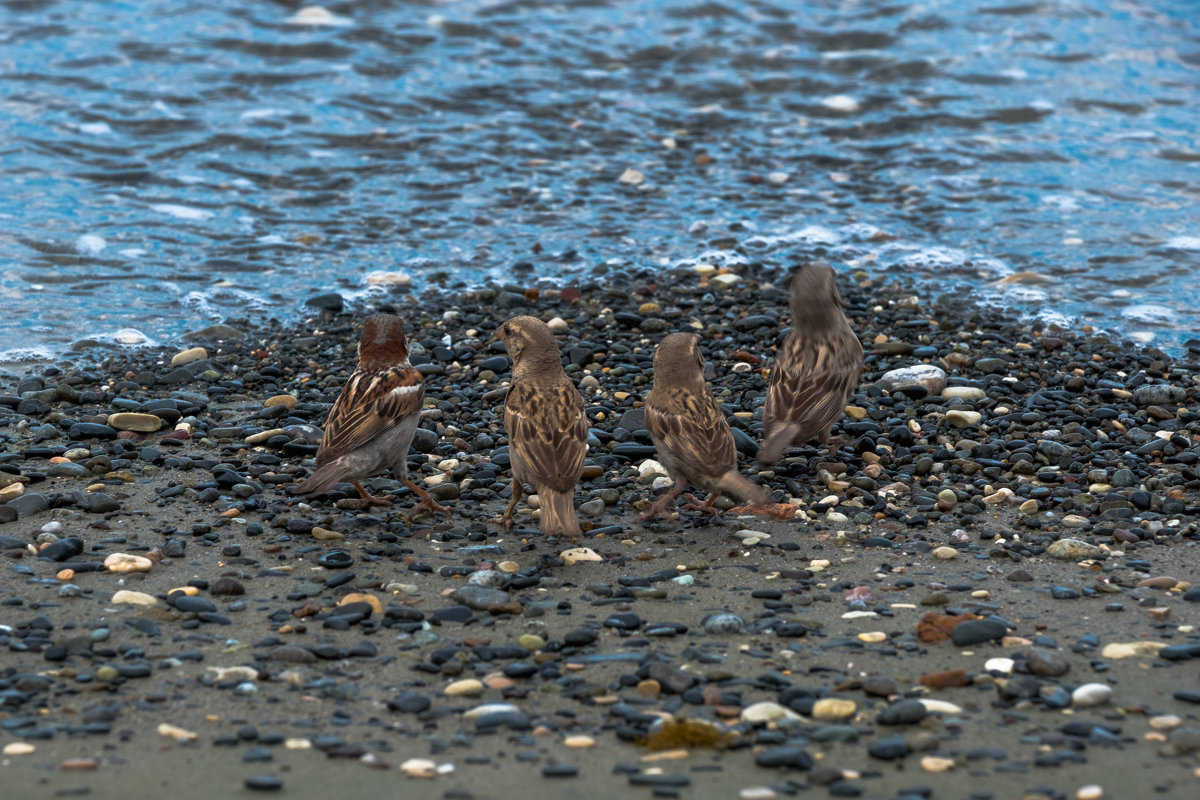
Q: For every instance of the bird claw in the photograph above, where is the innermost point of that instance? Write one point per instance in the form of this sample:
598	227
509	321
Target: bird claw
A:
427	502
503	520
646	516
430	505
366	501
705	507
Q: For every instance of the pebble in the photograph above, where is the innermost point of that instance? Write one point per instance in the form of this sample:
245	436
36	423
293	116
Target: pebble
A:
18	749
579	741
788	757
124	562
175	732
944	553
263	783
768	711
592	508
468	687
939	706
833	708
1073	550
936	763
1045	663
286	400
419	768
919	380
976	631
902	712
1118	650
723	624
130	597
963	393
141	423
188	356
963	419
579	555
1091	694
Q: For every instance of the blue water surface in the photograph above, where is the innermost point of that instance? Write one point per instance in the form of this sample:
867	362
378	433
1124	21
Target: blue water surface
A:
167	165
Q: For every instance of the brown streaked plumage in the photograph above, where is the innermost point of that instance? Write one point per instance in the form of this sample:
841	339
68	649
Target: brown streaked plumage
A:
547	429
371	424
689	430
816	369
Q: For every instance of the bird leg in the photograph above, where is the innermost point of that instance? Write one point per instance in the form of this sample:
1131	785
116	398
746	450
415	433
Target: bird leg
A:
427	502
659	509
369	499
506	519
706	507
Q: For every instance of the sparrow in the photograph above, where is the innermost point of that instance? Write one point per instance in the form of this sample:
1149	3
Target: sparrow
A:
372	422
547	429
690	432
816	369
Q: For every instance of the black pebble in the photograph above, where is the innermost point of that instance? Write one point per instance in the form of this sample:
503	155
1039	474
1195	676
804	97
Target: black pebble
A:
786	756
264	783
560	771
336	559
975	631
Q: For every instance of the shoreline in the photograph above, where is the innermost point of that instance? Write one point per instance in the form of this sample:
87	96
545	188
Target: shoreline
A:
803	638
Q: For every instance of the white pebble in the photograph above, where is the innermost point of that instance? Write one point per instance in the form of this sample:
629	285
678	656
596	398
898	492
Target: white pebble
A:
175	732
1091	694
1090	792
757	793
419	768
650	467
767	711
488	708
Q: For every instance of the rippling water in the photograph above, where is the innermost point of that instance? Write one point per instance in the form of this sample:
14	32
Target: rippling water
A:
166	165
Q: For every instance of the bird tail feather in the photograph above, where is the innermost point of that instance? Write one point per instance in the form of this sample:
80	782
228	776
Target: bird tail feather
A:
558	514
777	442
319	482
733	484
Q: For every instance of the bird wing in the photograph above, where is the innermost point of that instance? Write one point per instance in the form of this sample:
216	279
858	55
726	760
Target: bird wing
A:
547	433
693	431
370	404
811	383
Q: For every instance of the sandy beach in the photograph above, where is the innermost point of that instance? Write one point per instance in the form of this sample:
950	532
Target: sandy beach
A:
986	592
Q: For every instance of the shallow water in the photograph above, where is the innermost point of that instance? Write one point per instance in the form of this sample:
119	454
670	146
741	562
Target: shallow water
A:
167	165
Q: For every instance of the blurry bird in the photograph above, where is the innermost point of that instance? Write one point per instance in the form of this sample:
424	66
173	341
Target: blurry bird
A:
547	429
372	422
690	432
816	370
